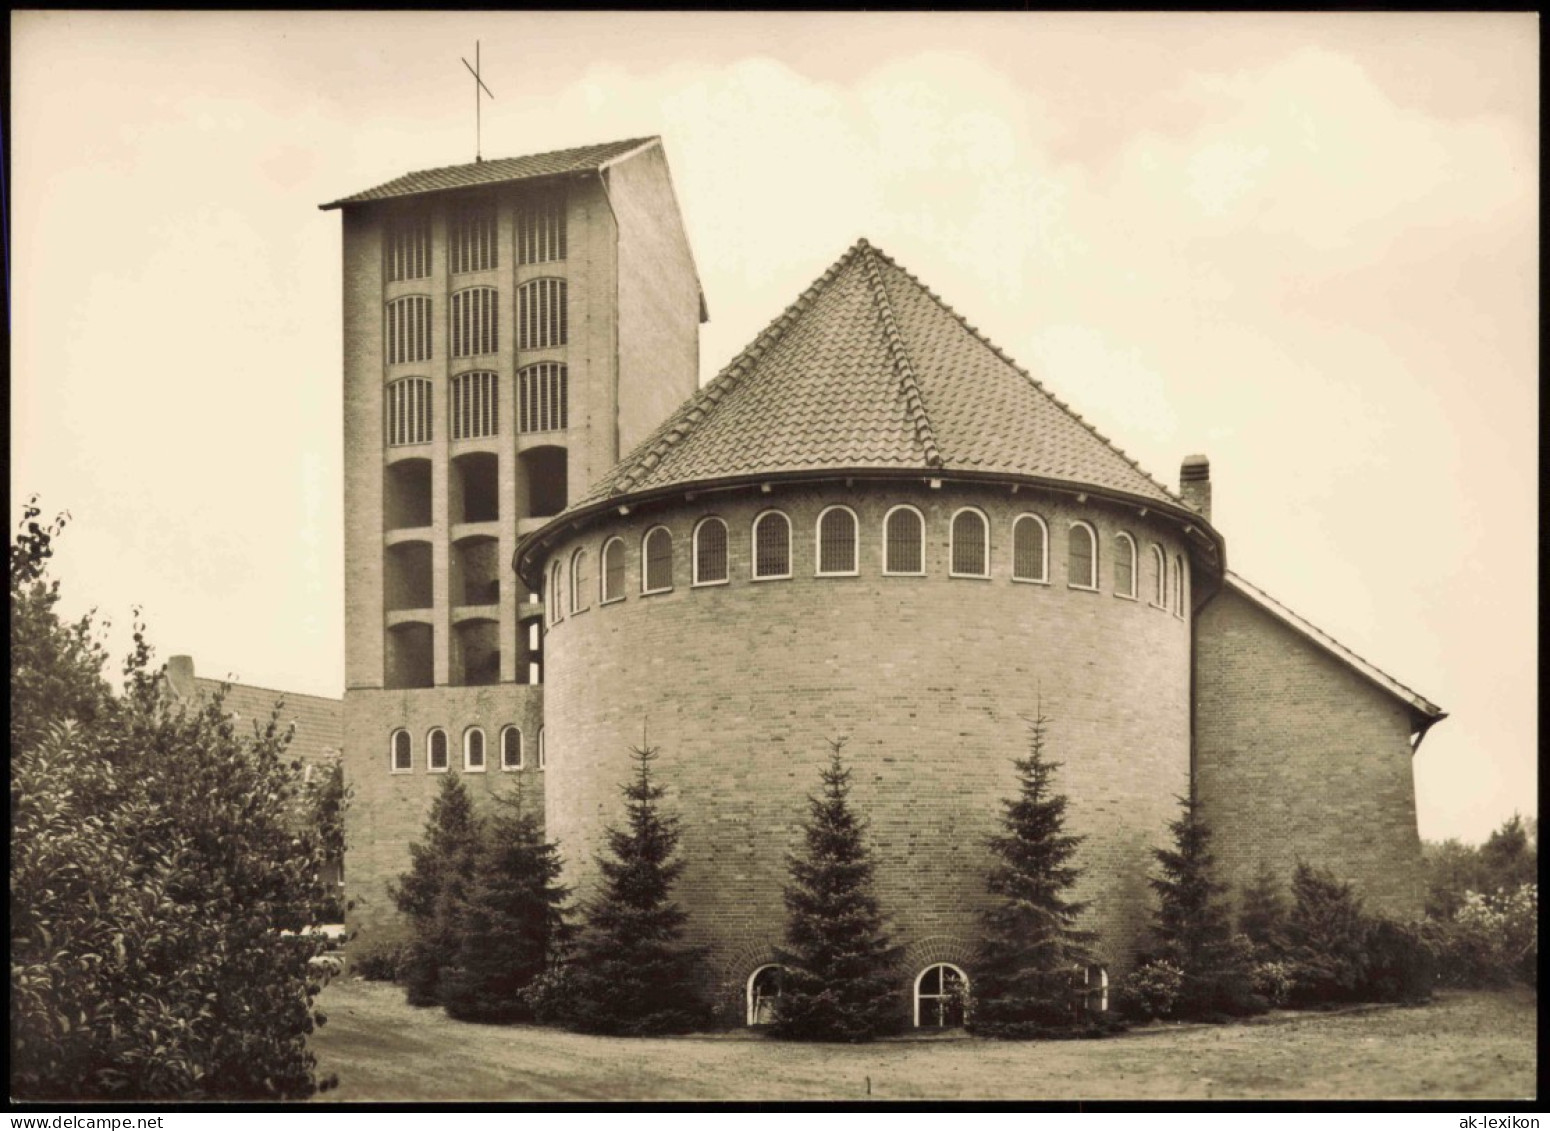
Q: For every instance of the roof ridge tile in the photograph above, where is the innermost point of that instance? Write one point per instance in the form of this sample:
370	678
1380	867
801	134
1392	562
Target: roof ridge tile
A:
914	403
1037	384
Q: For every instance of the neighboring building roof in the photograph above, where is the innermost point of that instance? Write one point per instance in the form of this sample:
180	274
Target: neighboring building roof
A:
1421	705
586	158
869	370
319	720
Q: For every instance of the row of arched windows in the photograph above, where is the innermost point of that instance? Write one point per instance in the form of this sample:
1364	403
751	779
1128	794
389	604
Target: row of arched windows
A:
437	759
473	327
837	554
941	994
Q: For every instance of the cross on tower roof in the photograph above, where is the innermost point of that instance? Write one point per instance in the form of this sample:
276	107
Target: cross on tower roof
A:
478	86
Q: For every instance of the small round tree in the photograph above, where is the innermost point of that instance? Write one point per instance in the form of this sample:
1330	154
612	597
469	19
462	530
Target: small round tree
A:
631	974
839	981
1031	950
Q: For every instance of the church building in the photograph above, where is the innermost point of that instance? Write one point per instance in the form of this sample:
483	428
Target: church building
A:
873	524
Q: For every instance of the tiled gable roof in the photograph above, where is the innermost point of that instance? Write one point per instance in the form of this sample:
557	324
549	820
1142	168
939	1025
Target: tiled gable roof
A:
1420	704
870	370
498	171
319	721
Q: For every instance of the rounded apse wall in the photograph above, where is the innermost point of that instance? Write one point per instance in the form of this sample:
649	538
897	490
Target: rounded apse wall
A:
741	686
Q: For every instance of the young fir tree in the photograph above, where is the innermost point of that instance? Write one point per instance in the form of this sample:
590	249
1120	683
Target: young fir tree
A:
1326	935
1193	925
512	924
432	893
1031	952
631	974
838	981
1262	915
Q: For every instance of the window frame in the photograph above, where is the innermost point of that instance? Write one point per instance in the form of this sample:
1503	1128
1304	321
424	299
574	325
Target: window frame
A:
555	598
855	543
511	728
1160	579
457	301
952	543
1100	991
1094	565
748	999
1043	578
426	324
695	582
920	977
602	577
559	288
753	547
484	750
645	562
446	753
393	766
423	407
578	582
888	571
1135	567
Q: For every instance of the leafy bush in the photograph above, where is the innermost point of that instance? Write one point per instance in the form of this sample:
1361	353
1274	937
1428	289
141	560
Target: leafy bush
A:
382	964
1491	941
1273	980
161	893
1151	990
1400	966
1508	859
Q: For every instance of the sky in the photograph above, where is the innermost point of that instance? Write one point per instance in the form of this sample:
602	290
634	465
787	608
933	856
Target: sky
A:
1305	246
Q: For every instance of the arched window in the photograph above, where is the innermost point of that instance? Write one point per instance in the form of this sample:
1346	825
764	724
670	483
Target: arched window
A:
904	541
542	319
472	328
541	397
473	751
1178	586
473	407
408	405
471	238
542	756
771	546
1159	577
837	542
401	748
941	997
1030	549
710	552
656	575
1082	557
613	570
407	250
436	751
1095	980
511	748
1124	566
579	595
409	329
764	986
556	579
970	552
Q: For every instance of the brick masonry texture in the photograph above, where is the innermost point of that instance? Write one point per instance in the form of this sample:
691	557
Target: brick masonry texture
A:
1300	758
742	685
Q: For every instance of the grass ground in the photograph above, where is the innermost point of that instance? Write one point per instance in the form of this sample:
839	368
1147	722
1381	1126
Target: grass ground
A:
1464	1045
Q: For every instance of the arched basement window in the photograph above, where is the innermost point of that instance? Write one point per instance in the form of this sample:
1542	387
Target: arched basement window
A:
613	570
1159	577
1082	560
970	553
657	561
1030	549
436	751
771	546
402	752
837	542
473	750
1124	566
904	541
764	987
511	748
710	552
579	597
941	996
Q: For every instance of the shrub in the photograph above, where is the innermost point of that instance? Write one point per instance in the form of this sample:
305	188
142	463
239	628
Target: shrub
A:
382	964
837	961
1326	939
1262	916
1400	966
1273	980
1152	989
1491	941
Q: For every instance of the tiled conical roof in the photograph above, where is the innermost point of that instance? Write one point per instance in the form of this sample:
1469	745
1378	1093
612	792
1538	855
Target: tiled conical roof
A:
868	370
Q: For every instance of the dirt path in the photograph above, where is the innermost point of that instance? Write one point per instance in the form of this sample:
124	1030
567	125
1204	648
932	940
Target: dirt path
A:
1464	1045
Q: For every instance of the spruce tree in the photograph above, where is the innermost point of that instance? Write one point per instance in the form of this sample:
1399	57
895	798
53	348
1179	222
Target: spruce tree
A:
432	892
512	924
1031	950
1262	915
632	975
839	981
1193	925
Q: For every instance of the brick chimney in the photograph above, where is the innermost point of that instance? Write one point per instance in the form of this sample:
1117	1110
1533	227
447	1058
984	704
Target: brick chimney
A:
1195	484
180	676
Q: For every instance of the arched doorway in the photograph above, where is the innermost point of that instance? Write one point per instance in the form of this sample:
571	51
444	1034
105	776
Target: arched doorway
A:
764	986
941	997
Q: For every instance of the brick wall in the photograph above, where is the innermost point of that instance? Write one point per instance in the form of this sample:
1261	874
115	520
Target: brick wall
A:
742	684
1300	758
